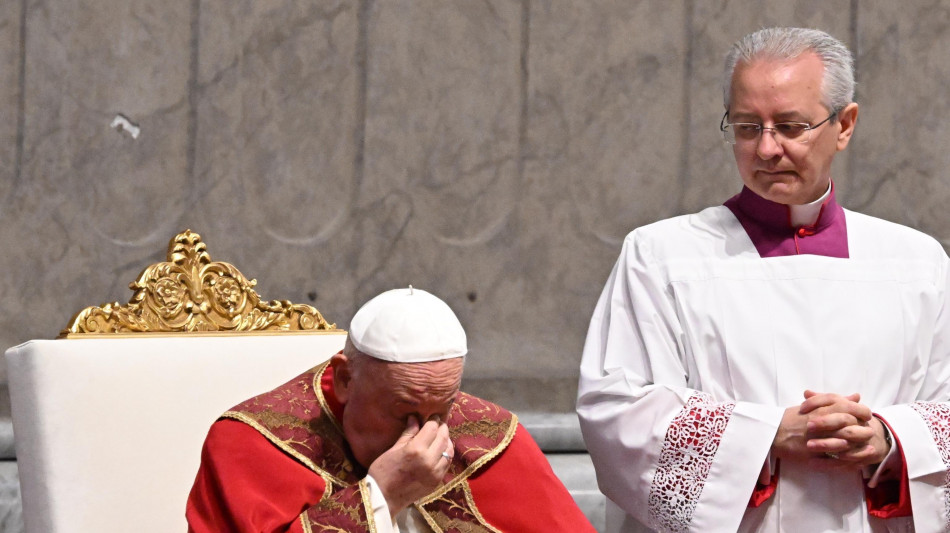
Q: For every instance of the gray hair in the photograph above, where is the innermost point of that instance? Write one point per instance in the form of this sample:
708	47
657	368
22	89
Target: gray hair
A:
357	360
837	87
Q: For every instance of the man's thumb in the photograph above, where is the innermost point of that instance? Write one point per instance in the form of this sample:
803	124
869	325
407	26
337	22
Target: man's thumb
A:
412	427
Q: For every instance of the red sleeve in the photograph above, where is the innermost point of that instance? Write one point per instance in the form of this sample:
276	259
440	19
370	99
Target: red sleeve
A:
762	491
245	483
891	498
518	491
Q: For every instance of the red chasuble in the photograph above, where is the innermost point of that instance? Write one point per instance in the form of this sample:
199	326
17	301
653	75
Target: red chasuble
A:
279	462
769	226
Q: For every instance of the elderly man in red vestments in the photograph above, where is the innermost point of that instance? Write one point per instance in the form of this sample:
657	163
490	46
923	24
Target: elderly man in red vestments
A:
379	439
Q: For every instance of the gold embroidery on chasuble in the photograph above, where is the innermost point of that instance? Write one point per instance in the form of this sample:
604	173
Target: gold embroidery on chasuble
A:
296	418
348	511
480	431
455	512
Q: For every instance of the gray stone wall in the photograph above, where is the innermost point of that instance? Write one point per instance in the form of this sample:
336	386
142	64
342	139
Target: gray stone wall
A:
494	152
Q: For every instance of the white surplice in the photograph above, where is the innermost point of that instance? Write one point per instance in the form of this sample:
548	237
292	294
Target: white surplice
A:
698	345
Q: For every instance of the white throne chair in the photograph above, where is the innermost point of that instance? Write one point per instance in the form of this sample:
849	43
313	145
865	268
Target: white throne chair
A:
109	418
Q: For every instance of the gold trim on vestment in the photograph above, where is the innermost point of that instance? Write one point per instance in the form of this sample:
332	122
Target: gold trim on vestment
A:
368	505
305	522
478	463
428	518
474	508
328	478
318	390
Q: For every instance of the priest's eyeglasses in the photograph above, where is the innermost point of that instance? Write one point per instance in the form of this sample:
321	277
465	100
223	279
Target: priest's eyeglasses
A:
747	132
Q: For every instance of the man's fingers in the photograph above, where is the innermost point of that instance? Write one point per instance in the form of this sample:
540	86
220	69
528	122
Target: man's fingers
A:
815	400
856	397
842	426
856	435
450	449
412	429
856	457
851	444
427	435
446	452
859	455
440	451
830	422
445	439
828	445
860	411
833	403
441	442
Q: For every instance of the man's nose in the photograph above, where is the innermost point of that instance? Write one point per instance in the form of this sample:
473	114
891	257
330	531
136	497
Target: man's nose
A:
768	145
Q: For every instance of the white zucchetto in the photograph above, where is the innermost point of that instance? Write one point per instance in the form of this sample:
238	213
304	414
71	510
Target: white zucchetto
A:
408	326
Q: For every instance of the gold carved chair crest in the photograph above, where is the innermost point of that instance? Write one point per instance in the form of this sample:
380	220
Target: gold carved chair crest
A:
191	293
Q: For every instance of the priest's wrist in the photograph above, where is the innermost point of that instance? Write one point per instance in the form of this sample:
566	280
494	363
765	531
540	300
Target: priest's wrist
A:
394	506
789	439
885	437
393	491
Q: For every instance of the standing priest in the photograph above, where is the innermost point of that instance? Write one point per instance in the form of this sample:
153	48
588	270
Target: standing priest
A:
379	439
777	363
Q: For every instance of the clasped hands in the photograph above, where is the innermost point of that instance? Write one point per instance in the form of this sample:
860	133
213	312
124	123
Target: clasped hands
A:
415	465
831	432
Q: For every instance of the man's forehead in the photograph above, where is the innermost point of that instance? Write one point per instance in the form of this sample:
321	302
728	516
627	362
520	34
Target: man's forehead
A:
788	89
415	394
435	375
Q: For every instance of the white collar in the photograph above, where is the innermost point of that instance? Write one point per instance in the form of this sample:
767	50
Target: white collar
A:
807	214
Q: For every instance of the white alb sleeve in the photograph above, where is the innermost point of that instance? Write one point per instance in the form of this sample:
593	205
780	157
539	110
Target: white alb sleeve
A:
384	522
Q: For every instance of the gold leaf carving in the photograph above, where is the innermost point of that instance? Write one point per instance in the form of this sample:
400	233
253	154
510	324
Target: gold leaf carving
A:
191	293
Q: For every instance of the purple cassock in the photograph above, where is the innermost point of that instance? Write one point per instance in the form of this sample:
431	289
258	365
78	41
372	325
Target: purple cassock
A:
769	225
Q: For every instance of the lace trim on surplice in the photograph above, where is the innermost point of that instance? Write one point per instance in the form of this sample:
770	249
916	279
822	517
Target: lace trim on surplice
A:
688	450
937	417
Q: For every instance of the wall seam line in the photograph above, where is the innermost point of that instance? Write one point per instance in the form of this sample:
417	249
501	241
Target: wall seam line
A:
191	148
687	139
21	105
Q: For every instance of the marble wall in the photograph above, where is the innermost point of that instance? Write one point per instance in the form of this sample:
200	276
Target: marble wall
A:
494	152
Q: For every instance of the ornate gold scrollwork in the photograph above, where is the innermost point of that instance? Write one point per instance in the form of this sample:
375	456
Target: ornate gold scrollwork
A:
190	293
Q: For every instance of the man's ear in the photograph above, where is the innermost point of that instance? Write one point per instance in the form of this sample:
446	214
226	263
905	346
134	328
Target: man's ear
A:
342	376
847	117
